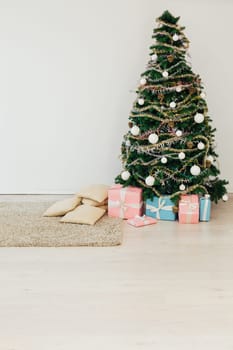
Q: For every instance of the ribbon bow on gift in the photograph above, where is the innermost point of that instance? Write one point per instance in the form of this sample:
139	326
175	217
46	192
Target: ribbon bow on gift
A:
191	206
142	218
121	203
161	205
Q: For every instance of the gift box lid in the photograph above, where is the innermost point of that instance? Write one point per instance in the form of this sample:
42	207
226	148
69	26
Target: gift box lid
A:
189	198
129	188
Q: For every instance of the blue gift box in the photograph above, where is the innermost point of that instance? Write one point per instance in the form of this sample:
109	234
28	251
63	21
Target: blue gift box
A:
205	208
160	208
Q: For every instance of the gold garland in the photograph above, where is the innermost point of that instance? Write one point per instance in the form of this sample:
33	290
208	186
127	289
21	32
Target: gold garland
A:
175	26
160	89
206	148
175	48
152	67
181	76
153	189
189	98
167	115
188	190
159	145
150	116
171	176
184	167
141	162
178	193
186	164
167	149
164	32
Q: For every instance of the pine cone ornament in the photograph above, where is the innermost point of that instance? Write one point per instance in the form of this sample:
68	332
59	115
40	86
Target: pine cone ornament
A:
190	144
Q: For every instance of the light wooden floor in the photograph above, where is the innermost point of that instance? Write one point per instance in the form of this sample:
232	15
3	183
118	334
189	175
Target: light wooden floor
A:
169	286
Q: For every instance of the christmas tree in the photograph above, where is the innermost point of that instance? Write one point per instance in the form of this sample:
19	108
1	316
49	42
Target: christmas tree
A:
169	148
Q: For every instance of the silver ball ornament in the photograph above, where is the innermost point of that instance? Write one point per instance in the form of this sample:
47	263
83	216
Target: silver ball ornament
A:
165	74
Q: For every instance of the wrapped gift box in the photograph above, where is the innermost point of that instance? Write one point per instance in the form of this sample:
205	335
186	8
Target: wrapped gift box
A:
139	221
124	202
205	208
189	209
160	208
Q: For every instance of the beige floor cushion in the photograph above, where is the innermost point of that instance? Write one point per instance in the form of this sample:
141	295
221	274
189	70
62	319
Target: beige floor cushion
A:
94	203
97	193
62	207
105	207
84	214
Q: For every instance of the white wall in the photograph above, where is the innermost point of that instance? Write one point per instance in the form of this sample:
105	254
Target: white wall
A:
66	71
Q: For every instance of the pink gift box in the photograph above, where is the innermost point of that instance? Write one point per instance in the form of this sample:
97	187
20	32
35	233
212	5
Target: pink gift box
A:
189	209
124	202
139	221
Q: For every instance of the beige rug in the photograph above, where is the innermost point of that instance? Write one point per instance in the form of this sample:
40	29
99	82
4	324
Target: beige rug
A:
22	225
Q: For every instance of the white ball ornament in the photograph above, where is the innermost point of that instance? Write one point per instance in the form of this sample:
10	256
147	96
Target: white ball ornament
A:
165	74
135	130
127	143
181	155
150	180
179	133
154	57
199	118
178	88
182	187
195	170
225	198
141	101
200	145
172	104
175	37
164	160
210	158
203	95
125	175
143	81
153	138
